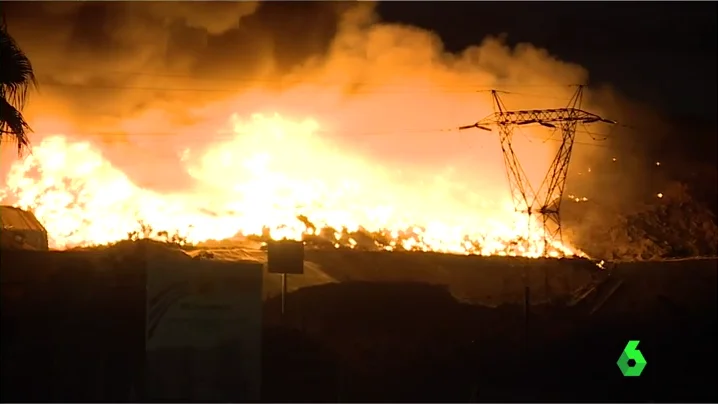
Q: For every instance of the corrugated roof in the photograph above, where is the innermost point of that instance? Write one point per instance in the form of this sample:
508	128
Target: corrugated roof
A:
18	219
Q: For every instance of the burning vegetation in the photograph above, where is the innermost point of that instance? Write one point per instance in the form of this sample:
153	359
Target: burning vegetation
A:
292	187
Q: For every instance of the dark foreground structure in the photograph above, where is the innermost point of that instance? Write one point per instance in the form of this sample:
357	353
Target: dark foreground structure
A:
80	336
20	229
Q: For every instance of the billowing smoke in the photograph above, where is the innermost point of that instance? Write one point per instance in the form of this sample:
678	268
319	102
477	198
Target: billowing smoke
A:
148	81
153	68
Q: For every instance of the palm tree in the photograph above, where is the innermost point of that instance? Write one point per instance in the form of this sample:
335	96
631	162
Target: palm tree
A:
16	78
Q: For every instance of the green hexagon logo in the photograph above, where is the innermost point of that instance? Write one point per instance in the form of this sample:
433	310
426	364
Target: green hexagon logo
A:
631	353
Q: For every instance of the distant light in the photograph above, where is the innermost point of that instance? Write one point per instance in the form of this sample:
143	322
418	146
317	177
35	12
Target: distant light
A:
658	163
584	199
660	195
614	159
589	169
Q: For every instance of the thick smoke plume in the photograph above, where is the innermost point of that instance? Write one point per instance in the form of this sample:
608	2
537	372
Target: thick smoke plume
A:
376	85
148	81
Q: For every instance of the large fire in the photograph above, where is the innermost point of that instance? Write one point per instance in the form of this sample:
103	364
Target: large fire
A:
342	143
270	177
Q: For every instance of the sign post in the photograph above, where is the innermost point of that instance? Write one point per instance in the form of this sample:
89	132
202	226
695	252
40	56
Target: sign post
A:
284	291
285	257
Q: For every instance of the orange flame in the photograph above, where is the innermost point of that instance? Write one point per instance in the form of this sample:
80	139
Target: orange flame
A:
271	177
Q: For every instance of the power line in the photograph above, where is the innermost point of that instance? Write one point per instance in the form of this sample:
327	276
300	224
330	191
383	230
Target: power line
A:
362	86
219	137
290	81
382	89
359	88
110	87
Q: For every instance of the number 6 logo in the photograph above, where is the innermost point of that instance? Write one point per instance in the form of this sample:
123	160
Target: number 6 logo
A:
630	353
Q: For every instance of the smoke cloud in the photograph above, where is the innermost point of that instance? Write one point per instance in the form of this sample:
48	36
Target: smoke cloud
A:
119	68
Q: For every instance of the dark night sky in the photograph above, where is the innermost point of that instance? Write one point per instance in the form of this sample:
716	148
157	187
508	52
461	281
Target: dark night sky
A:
661	53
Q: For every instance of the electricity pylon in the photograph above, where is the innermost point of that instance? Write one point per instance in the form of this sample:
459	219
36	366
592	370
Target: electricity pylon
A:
546	199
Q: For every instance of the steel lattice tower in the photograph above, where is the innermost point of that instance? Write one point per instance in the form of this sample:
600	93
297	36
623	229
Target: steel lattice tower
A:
545	200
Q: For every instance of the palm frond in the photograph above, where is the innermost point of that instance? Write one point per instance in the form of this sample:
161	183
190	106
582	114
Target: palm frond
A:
16	77
16	72
12	124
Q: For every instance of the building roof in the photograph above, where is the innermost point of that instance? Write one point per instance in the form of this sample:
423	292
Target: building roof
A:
12	218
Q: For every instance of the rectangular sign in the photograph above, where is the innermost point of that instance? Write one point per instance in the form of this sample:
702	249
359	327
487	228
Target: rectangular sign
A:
285	257
203	330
